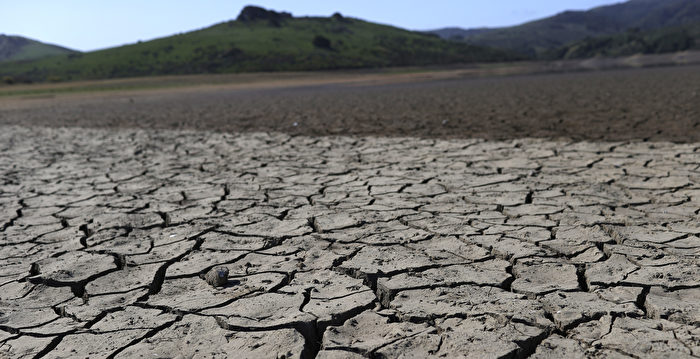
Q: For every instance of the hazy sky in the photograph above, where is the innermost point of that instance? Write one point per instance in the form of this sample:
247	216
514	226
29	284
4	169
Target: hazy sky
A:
95	24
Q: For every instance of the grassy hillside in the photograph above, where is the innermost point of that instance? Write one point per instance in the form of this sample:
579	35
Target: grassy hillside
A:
634	41
17	48
540	37
267	41
458	34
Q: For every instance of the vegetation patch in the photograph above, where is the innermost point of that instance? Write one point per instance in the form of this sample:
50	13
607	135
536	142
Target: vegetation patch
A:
261	40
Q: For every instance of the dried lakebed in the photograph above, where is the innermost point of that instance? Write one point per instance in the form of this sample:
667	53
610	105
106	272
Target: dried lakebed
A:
113	242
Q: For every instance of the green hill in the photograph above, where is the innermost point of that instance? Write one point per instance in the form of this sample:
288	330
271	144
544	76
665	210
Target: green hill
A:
260	40
633	41
457	34
540	37
17	48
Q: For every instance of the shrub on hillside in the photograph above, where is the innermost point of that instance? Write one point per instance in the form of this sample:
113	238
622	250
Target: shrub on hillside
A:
322	42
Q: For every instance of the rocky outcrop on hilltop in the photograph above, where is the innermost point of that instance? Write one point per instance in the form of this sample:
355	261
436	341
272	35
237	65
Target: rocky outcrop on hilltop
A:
255	13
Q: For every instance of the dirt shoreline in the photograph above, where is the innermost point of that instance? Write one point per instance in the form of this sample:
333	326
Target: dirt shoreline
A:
656	104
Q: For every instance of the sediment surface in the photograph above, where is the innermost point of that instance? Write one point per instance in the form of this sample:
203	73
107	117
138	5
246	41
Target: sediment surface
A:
112	243
654	104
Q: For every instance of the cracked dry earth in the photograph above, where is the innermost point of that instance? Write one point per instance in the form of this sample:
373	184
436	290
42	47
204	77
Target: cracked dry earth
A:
345	247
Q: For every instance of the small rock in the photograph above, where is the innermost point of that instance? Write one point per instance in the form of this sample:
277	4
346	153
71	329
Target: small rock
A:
35	269
217	277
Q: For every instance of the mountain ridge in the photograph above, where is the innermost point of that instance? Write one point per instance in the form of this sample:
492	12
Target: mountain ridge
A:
535	38
19	48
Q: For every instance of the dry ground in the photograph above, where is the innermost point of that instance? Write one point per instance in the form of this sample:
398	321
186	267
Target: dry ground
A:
527	216
659	104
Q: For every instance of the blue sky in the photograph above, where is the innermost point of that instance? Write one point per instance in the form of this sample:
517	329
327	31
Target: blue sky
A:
95	24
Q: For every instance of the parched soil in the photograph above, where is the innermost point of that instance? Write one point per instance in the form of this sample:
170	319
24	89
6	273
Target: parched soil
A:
185	240
145	243
658	104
